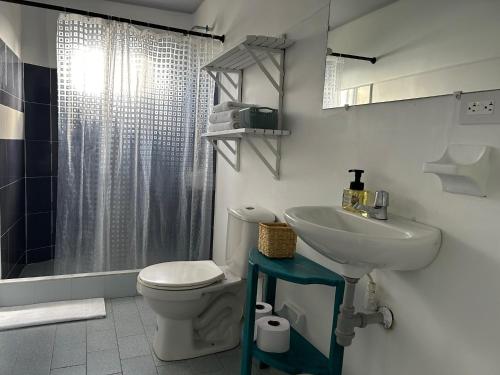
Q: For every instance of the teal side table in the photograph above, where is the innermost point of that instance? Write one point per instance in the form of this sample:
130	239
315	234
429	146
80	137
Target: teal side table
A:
302	357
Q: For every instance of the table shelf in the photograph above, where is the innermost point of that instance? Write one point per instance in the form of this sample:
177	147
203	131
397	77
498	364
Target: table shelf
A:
302	357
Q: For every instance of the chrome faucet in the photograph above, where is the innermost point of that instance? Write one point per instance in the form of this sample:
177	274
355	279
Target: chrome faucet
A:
379	208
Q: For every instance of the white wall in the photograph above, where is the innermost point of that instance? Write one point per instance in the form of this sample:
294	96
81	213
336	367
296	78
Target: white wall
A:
39	26
10	26
445	314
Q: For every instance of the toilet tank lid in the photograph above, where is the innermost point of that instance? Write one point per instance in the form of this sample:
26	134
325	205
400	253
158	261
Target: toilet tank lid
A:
252	214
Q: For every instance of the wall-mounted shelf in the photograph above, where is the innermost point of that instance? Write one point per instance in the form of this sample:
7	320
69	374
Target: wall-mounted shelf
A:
237	135
463	169
227	71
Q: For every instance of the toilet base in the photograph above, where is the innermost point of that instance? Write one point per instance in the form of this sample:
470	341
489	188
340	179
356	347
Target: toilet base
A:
174	340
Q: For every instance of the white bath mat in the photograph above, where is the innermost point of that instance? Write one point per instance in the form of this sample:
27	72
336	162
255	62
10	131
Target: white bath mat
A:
51	312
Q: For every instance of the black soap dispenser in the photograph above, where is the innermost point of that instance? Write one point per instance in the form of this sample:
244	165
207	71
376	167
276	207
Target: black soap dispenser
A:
356	192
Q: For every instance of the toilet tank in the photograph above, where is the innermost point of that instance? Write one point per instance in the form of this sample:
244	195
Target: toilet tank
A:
243	235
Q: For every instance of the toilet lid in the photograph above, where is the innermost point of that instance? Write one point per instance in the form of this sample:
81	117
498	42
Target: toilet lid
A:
181	275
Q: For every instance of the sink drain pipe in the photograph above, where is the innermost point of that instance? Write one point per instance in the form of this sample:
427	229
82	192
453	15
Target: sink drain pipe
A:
349	319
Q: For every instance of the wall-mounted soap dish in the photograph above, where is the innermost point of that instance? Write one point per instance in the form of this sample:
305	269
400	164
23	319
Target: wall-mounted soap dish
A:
463	169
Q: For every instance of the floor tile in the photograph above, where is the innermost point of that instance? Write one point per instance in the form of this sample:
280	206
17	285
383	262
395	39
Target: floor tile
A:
139	366
104	362
205	365
101	340
133	346
92	348
174	368
31	367
69	355
124	306
34	352
70	333
73	370
128	325
103	324
150	333
148	316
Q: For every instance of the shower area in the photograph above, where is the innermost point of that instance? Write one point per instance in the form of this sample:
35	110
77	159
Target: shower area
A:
102	165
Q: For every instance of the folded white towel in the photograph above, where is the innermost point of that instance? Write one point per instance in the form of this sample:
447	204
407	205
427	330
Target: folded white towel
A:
226	116
226	106
230	125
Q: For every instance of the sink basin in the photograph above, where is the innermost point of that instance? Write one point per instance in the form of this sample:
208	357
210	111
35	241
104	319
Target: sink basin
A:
362	244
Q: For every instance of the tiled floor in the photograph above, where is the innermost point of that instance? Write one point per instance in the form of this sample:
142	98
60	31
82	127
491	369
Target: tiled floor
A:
118	344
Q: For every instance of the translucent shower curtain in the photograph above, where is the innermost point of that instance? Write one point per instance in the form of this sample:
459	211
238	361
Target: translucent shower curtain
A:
135	178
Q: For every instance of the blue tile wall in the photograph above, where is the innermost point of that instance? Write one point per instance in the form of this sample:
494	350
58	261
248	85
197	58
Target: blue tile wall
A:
12	211
40	88
37	84
28	168
12	170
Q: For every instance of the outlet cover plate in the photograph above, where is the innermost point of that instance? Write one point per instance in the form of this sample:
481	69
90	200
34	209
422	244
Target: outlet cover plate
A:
482	107
478	108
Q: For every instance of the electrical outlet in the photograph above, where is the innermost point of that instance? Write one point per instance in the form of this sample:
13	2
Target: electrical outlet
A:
478	108
483	107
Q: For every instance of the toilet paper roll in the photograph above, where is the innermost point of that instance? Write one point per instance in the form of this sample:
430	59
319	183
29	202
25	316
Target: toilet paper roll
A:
273	334
261	309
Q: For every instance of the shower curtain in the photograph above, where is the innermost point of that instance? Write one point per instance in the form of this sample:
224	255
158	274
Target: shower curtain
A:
135	178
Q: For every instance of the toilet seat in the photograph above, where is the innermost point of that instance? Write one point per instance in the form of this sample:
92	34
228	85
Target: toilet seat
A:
181	275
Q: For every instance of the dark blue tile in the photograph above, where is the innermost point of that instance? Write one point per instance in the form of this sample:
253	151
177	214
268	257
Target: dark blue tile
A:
15	159
38	194
4	252
53	87
17	244
54	195
38	230
38	159
37	122
36	84
12	201
54	115
13	248
3	163
53	229
39	255
55	158
11	101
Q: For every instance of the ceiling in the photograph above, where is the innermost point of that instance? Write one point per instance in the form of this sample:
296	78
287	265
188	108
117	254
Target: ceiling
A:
344	11
184	6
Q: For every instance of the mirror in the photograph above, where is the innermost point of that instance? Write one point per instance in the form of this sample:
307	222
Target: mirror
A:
387	50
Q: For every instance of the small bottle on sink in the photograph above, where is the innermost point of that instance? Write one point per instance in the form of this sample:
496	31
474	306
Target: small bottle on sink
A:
356	192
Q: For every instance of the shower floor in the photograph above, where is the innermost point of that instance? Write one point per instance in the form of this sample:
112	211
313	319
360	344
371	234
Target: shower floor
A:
38	269
118	344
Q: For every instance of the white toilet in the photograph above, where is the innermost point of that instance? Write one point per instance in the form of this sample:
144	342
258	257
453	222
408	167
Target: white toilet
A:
199	305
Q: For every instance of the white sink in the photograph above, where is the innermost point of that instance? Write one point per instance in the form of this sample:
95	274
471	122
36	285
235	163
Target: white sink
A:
362	244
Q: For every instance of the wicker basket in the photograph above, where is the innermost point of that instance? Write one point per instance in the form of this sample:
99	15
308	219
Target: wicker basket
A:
277	240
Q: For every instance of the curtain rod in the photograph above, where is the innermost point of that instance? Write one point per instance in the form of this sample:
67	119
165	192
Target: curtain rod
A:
113	18
329	52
